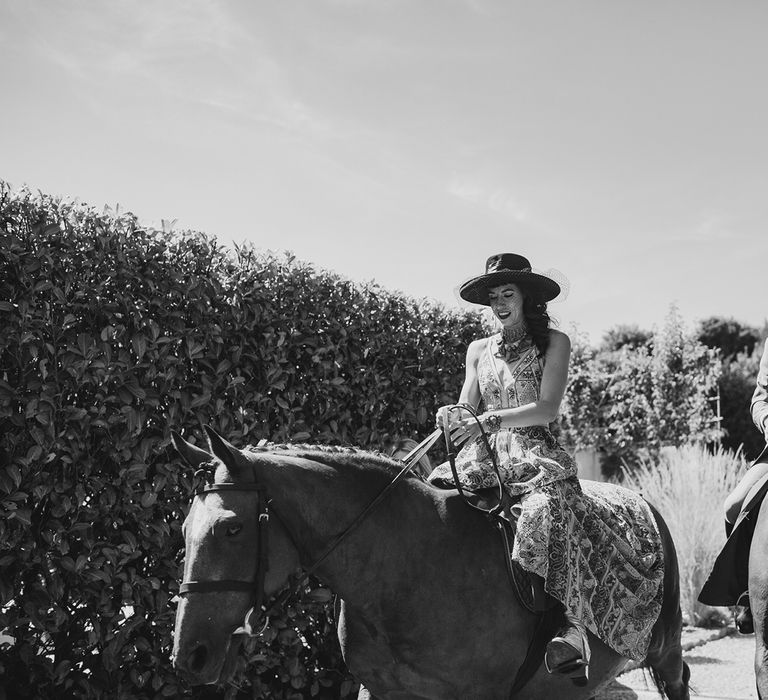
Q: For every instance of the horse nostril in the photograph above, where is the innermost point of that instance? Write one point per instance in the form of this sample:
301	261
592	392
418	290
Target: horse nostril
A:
198	658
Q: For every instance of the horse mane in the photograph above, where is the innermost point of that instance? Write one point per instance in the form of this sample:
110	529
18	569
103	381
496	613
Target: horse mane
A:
336	454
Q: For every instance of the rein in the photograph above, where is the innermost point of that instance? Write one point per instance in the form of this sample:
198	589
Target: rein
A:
256	586
494	512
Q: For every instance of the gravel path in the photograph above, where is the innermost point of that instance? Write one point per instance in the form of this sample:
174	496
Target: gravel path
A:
720	663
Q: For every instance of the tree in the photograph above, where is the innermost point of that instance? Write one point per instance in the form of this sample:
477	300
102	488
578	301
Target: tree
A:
740	349
727	335
625	335
632	401
737	383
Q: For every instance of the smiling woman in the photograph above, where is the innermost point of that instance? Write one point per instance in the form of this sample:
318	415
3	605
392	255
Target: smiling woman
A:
594	549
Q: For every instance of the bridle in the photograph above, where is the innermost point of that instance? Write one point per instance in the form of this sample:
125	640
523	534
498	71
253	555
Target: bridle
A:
256	586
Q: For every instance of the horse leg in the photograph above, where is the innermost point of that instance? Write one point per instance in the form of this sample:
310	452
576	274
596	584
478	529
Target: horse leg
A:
758	596
761	644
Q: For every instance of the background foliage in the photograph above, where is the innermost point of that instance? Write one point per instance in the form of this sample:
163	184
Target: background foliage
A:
739	347
688	484
641	392
112	335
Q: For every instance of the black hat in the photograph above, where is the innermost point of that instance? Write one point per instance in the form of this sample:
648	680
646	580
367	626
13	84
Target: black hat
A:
507	268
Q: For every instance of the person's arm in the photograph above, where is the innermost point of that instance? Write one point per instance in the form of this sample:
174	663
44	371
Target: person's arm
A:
540	412
759	404
470	390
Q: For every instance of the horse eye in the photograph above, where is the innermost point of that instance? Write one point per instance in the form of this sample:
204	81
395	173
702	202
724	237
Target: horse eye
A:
233	530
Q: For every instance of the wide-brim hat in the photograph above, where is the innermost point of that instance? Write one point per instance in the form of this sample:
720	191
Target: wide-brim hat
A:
506	268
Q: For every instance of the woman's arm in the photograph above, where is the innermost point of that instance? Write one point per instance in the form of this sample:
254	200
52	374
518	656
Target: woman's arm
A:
540	412
470	390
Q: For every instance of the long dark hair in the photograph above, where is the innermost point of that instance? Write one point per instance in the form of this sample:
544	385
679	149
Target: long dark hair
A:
537	319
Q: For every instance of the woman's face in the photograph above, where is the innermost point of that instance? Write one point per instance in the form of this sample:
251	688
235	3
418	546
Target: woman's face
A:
507	304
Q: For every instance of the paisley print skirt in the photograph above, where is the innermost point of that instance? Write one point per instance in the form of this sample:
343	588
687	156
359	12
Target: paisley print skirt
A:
599	552
595	545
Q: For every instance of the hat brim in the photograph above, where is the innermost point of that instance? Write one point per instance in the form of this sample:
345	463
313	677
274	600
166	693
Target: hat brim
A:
475	290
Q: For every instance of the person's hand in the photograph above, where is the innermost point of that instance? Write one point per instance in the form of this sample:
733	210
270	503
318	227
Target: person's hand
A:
463	428
439	416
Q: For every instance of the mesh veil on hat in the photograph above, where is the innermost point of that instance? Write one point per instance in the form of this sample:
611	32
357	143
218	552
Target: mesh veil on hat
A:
506	268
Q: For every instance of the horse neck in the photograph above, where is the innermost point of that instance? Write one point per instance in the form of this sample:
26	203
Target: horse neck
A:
317	502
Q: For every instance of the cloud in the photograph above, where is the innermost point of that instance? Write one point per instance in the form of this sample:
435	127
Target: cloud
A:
496	198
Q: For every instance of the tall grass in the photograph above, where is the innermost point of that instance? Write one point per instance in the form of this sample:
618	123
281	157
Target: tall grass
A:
688	485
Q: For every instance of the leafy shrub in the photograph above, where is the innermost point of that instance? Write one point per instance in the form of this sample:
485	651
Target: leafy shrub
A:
111	335
631	402
688	485
737	384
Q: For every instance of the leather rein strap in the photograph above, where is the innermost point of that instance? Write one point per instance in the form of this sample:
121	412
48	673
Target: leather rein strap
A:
494	512
257	585
410	460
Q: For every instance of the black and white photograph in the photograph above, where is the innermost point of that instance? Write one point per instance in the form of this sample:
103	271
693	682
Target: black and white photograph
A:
383	350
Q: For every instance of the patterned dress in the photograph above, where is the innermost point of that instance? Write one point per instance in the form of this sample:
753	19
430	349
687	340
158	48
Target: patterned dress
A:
595	545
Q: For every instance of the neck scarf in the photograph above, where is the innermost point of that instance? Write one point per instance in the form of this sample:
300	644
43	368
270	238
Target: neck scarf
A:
513	342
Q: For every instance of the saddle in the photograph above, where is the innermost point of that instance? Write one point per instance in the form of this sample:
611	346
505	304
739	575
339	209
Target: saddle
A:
729	577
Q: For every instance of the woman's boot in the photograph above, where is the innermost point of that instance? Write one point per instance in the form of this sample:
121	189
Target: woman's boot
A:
568	653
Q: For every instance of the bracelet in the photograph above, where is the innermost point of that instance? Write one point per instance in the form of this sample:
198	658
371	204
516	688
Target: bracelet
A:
466	406
493	423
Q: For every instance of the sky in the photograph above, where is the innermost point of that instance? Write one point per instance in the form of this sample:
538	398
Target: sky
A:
622	143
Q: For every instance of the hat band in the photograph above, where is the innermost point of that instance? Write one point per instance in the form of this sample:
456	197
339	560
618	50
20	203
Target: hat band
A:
509	269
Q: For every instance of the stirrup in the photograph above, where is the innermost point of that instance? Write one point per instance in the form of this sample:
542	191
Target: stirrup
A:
565	658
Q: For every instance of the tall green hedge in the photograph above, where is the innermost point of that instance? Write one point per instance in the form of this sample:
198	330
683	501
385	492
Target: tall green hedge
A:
111	335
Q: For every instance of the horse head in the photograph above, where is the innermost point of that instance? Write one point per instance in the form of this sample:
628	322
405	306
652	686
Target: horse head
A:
228	568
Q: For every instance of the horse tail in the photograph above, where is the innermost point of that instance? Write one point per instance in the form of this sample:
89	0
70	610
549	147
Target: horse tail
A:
664	660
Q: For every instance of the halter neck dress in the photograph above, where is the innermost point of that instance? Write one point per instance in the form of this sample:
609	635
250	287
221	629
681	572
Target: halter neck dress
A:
595	545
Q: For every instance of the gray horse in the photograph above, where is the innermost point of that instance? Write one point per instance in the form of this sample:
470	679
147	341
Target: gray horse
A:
401	635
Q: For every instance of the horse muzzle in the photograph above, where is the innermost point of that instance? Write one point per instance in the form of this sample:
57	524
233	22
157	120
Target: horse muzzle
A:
201	663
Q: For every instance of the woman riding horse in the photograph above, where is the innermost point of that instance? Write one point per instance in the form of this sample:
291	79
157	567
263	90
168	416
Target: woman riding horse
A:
603	569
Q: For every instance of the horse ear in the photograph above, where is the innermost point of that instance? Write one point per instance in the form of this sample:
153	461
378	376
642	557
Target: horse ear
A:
224	450
193	455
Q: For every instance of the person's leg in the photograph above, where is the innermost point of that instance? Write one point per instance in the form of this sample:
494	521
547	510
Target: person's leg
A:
735	499
732	508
